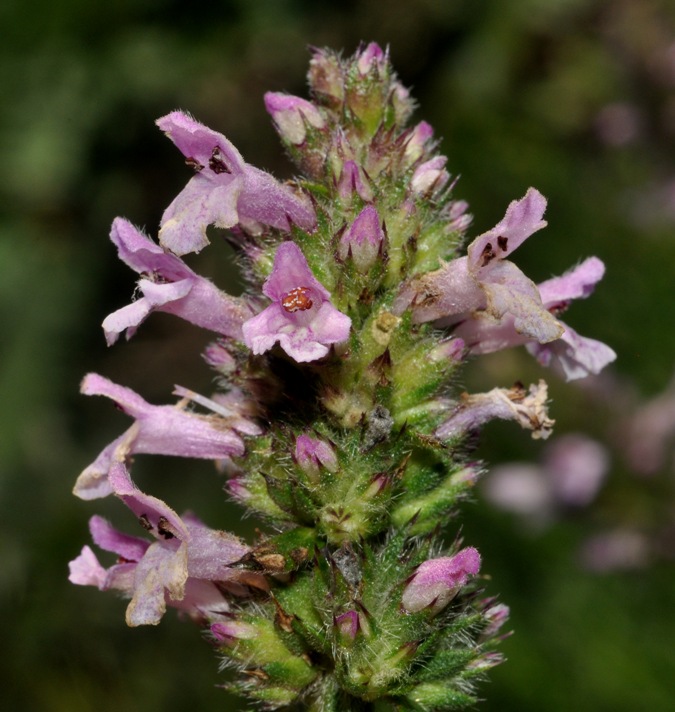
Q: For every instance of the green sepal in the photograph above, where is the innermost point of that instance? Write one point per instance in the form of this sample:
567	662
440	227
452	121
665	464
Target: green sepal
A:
291	496
426	512
438	696
446	664
294	547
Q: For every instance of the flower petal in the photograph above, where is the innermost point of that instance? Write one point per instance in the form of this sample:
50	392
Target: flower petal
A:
576	355
526	408
523	218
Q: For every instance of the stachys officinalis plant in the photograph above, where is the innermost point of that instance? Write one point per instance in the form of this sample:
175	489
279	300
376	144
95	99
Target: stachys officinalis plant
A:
337	420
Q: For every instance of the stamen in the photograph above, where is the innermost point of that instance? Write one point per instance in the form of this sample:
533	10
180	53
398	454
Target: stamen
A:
297	299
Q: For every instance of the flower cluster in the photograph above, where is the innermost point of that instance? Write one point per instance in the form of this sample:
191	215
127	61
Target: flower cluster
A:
334	419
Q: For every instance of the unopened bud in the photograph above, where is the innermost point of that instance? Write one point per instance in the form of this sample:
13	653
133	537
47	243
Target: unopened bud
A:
417	141
431	176
450	350
292	115
495	616
229	632
325	77
353	181
437	581
372	58
219	358
363	239
312	454
347	626
459	219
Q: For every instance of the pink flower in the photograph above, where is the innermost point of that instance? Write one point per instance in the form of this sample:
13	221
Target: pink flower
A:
485	281
169	285
157	430
180	568
347	626
371	58
300	317
437	581
430	177
225	191
577	356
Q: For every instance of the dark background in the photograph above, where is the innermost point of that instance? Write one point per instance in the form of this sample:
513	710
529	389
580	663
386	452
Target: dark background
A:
575	97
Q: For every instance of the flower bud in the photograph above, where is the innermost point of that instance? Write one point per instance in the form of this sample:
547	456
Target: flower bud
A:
353	181
495	616
238	490
371	58
437	581
417	141
312	454
431	176
347	626
229	632
450	350
292	116
459	219
325	78
363	239
219	358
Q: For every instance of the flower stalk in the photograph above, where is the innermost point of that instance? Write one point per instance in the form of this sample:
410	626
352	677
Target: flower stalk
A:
335	421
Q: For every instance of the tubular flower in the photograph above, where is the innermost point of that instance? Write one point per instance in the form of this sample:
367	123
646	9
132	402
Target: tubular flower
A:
158	430
225	191
179	568
485	281
437	581
577	356
301	317
169	285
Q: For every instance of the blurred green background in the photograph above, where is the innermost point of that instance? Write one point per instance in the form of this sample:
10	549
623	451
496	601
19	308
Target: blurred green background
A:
575	97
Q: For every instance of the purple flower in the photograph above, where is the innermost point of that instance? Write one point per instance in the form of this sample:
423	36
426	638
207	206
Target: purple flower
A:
526	408
225	191
292	116
437	581
180	568
169	285
485	281
577	356
362	241
157	430
300	317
